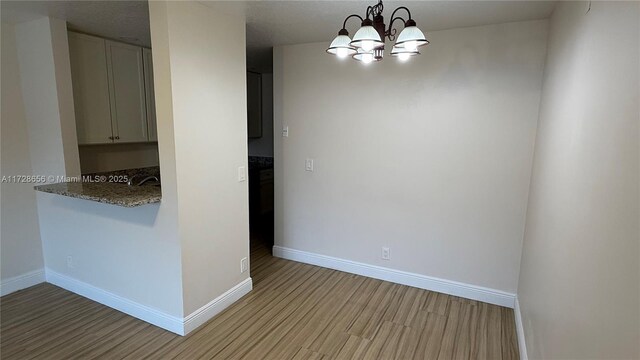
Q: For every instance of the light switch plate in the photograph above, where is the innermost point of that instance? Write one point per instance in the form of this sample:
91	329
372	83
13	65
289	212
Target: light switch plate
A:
242	174
308	165
285	131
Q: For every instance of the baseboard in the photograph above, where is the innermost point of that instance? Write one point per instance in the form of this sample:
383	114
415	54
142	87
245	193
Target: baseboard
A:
153	316
202	315
21	282
522	346
455	288
142	312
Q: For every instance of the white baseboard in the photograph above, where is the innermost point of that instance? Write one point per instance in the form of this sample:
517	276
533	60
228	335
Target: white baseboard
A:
180	326
202	315
21	282
142	312
455	288
522	346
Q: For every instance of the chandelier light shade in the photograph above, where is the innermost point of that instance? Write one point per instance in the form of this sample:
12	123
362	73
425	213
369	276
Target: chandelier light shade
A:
367	45
367	38
402	53
367	57
340	46
411	37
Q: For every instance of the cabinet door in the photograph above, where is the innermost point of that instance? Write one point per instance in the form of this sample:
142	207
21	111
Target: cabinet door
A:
126	87
90	88
149	94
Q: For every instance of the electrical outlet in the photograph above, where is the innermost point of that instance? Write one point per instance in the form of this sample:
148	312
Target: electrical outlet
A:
308	165
285	131
243	265
70	262
386	253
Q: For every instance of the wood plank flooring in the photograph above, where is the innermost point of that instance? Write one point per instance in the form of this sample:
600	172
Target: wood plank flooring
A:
295	311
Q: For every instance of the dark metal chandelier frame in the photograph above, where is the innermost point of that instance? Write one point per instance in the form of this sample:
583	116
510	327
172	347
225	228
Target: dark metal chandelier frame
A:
408	40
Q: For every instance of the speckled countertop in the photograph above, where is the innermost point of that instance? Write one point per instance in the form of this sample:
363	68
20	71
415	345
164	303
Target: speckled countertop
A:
115	193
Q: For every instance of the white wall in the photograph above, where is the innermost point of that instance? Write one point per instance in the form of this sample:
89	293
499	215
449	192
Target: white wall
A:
579	289
131	253
263	146
120	255
99	158
43	55
160	262
20	234
39	137
206	90
184	253
431	157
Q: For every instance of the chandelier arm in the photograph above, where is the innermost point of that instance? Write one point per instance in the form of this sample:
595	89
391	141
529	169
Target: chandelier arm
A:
402	8
344	24
391	32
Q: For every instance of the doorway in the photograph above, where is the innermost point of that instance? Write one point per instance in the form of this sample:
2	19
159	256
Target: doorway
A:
261	174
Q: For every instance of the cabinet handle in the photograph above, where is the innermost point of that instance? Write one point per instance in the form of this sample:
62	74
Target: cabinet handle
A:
110	137
117	137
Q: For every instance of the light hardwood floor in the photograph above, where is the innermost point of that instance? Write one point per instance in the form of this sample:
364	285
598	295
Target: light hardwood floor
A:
295	311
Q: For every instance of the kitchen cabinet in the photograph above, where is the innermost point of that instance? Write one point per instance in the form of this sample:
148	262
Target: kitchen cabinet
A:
90	88
126	91
261	201
150	95
113	91
266	191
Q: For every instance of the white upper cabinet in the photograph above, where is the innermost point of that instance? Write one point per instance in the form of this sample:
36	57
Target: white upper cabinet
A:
126	89
112	91
150	95
90	89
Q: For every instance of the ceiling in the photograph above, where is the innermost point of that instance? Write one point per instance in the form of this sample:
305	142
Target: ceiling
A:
119	20
271	23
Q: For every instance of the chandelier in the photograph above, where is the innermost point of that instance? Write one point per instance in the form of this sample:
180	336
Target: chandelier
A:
368	43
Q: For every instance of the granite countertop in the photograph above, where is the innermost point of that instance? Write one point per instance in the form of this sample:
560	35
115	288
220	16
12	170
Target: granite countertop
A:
116	193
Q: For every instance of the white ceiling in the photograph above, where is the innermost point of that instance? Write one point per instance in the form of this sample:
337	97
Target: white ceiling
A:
124	20
272	23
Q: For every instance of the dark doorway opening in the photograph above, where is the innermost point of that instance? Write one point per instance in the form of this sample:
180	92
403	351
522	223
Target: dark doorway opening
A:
261	174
